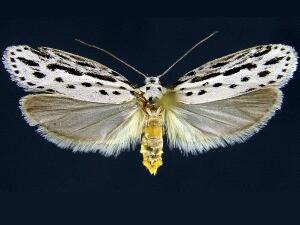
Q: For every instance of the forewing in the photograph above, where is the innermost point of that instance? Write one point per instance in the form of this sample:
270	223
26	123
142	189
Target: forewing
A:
238	73
194	128
54	71
84	126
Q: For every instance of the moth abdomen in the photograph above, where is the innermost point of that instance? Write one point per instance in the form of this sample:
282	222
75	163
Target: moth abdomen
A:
152	142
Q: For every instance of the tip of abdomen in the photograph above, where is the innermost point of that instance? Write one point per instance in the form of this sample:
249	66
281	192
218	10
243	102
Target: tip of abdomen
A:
152	163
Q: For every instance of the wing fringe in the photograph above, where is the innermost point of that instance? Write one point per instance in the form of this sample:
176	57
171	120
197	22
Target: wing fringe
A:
189	139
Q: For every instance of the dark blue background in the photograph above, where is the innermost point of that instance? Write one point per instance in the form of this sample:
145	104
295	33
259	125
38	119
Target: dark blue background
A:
269	161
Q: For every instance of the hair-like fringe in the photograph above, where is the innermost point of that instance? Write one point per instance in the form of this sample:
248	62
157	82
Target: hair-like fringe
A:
120	139
202	143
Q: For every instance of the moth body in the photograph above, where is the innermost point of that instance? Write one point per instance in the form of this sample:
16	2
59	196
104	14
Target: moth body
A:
152	137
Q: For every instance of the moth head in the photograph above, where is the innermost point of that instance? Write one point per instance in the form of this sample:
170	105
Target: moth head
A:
152	80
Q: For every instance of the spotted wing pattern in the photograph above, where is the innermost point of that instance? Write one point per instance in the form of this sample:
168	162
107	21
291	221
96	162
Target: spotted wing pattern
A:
54	71
238	73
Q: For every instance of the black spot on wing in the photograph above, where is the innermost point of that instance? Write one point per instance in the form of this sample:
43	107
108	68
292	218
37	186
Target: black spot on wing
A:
261	53
103	92
263	73
189	93
58	79
86	84
102	77
245	79
232	86
41	54
28	61
39	75
201	92
274	61
65	68
30	84
217	84
197	79
232	71
70	86
116	93
279	76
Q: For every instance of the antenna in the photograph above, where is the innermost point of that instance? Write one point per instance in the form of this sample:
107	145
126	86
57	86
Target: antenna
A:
187	52
112	55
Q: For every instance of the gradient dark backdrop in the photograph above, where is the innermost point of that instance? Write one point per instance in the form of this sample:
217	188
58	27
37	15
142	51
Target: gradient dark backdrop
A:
269	161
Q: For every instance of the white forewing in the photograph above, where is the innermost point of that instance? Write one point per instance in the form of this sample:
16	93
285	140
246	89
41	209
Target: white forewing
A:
241	72
84	126
54	71
194	128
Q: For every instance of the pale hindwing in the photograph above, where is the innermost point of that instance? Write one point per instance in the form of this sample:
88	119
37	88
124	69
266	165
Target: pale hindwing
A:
54	71
241	72
84	126
200	127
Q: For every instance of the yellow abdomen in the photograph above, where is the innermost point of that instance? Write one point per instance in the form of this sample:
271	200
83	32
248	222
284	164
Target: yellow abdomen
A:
152	143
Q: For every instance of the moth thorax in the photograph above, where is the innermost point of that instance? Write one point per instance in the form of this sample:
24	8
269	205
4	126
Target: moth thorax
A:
152	143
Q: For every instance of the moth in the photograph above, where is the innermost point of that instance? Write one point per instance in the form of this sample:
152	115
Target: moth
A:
81	104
